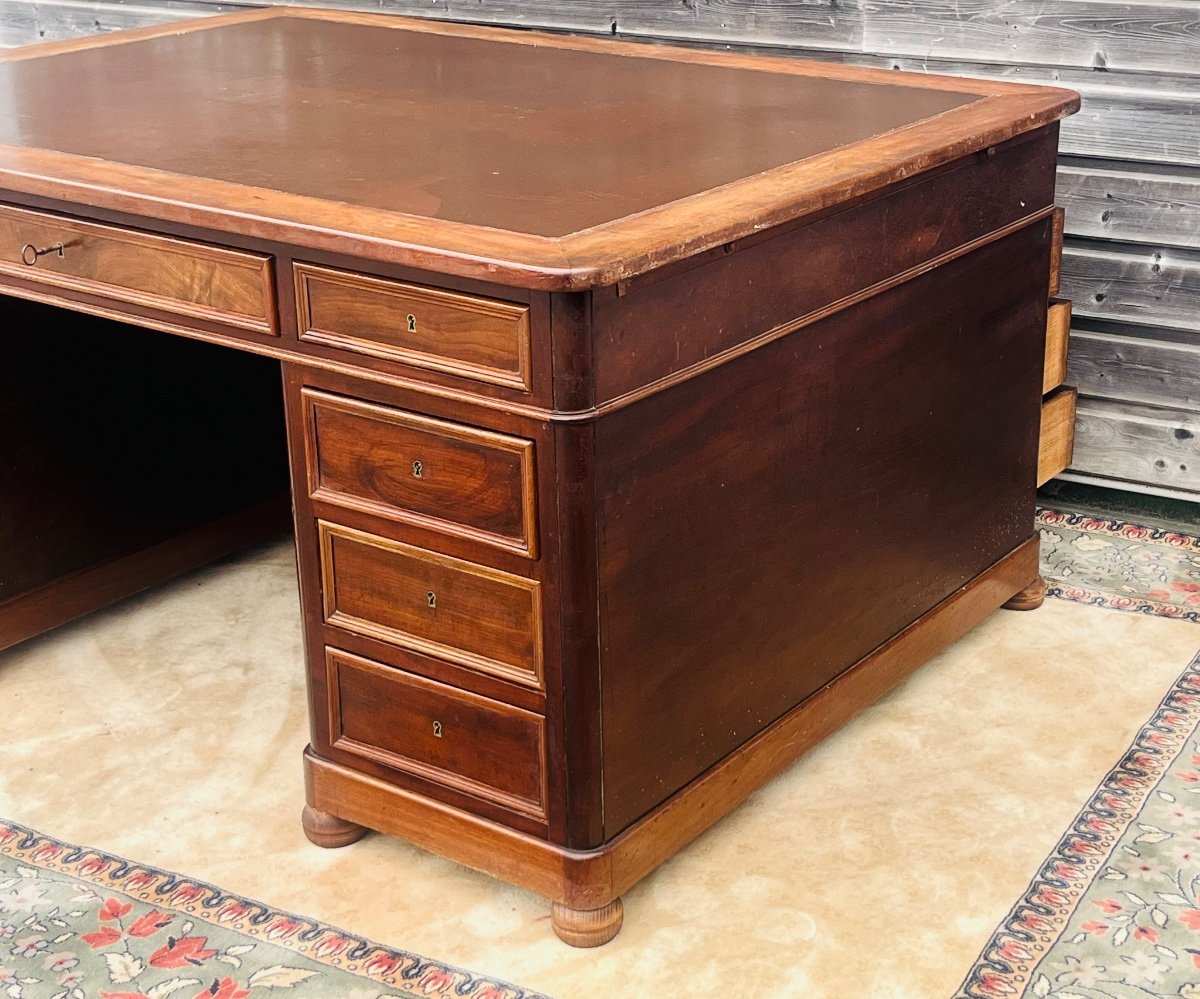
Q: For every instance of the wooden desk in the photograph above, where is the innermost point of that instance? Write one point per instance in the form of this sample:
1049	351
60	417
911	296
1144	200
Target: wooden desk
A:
649	411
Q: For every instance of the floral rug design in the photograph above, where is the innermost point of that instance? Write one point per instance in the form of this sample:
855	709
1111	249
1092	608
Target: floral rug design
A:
1114	912
76	923
1123	566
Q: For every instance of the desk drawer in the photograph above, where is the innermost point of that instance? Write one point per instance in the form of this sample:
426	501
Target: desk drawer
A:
159	272
1056	442
1058	332
479	338
402	466
1056	248
478	617
460	740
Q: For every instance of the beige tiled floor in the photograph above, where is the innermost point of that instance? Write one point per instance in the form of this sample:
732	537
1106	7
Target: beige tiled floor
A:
169	729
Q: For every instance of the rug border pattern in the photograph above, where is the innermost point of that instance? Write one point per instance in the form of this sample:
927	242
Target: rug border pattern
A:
314	939
1006	964
1048	517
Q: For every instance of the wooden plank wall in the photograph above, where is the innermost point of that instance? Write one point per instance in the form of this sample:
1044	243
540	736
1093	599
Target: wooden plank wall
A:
1130	176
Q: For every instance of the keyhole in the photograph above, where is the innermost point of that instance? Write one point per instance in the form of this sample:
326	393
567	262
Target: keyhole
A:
418	470
437	729
431	598
412	323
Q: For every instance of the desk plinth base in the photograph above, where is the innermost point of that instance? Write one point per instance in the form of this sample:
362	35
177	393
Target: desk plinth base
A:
585	886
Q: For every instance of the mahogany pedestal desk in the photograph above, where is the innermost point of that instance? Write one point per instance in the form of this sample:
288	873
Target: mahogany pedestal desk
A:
649	411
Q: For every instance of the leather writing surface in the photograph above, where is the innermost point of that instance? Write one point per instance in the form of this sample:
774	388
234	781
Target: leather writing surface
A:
519	137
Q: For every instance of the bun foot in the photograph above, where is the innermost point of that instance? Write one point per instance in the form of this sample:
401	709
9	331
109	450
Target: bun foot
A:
1033	596
329	831
587	927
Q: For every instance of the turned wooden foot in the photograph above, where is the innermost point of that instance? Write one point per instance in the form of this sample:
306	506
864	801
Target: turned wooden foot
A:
1034	595
329	831
587	927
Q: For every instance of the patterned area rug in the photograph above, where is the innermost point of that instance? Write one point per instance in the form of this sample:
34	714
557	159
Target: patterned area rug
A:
79	924
1123	566
1114	912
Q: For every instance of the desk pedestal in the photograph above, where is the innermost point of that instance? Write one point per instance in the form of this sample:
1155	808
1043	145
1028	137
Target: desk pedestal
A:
580	570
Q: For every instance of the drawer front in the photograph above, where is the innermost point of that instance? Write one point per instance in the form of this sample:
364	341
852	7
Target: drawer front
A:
415	469
478	617
478	338
460	740
158	272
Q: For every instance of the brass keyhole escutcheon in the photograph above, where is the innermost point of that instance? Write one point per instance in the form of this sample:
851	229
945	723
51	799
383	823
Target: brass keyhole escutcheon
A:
412	323
418	470
431	598
437	729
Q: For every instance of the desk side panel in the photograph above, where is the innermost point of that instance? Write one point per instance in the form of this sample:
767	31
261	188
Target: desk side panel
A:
670	324
766	525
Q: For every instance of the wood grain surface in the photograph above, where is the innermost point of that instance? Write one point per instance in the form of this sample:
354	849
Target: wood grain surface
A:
1127	442
479	617
1157	371
1131	202
1058	330
776	482
480	338
1057	439
404	466
1143	285
476	745
171	275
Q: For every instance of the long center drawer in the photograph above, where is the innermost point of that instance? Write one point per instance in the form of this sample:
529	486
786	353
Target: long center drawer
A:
180	276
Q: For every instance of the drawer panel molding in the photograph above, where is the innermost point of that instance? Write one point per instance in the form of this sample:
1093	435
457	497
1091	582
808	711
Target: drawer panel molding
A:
179	276
482	339
461	740
478	617
415	469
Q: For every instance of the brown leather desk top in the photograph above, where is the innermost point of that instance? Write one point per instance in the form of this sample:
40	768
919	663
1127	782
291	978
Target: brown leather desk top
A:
533	159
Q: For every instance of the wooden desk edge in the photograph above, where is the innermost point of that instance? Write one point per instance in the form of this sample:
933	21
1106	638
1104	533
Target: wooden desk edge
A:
590	880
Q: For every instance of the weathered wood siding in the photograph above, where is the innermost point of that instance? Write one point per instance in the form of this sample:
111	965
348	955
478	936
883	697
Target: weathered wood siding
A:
1130	177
